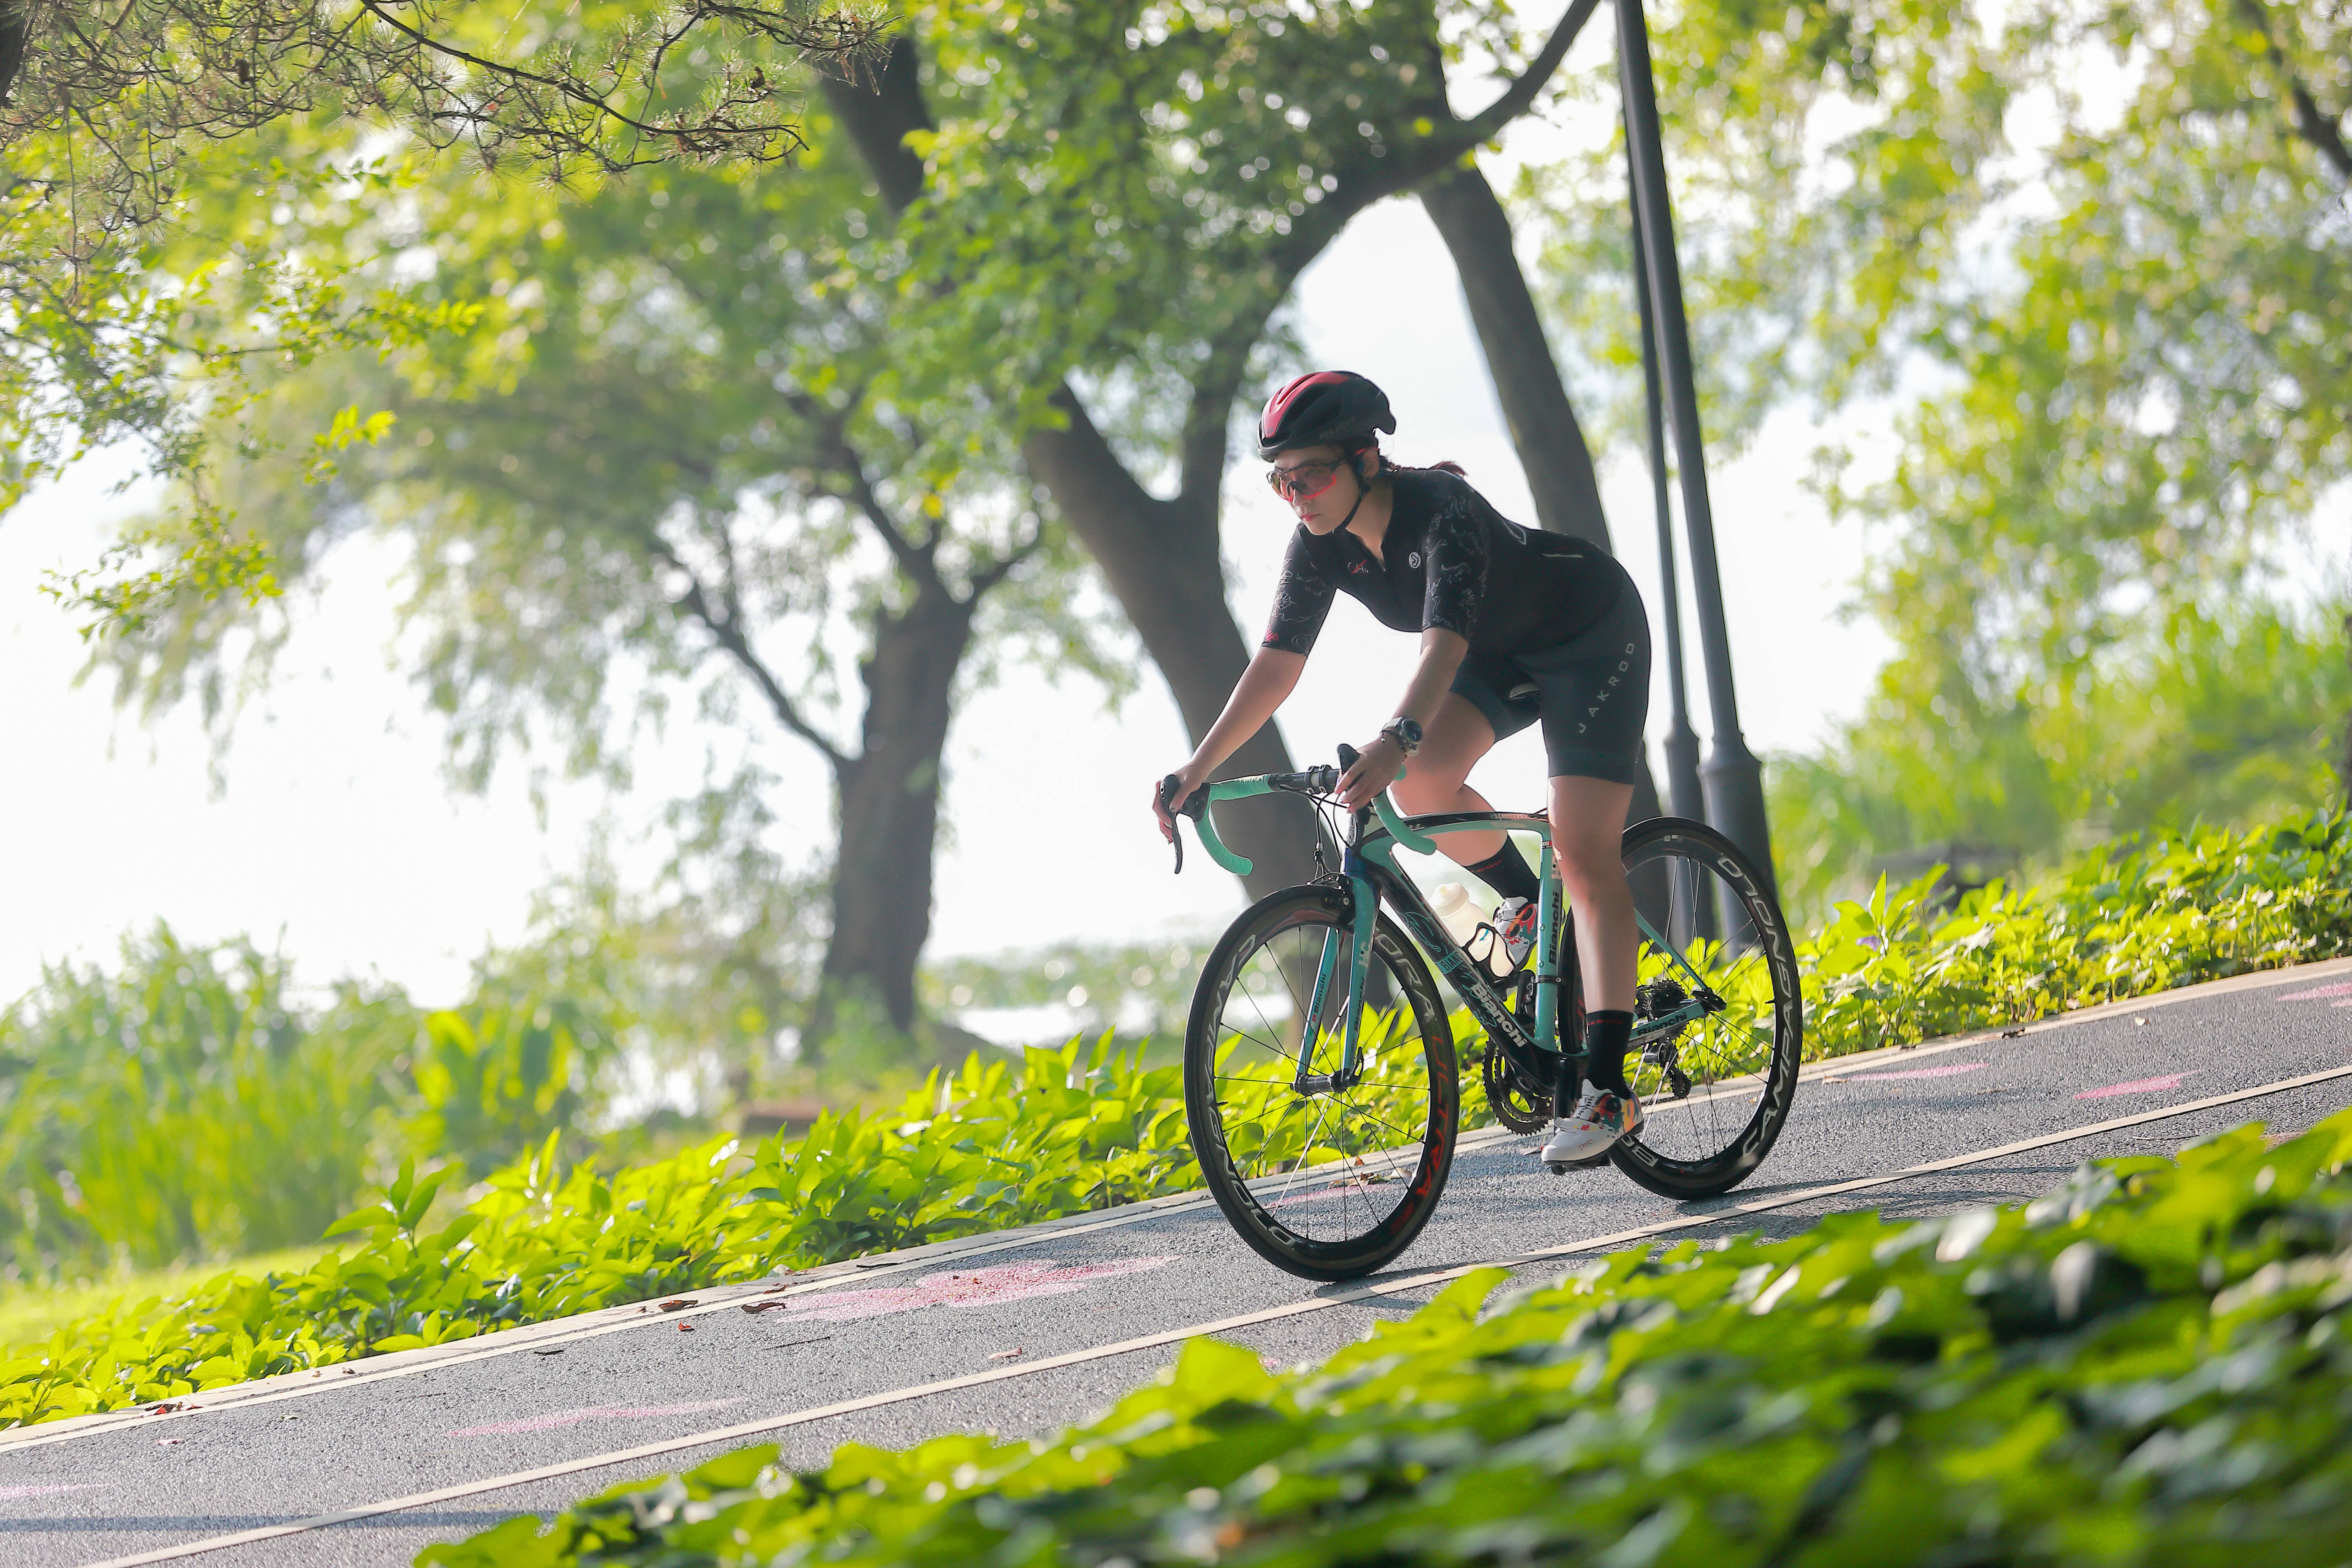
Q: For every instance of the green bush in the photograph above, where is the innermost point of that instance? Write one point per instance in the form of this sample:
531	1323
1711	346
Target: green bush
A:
2149	1366
185	1107
2139	916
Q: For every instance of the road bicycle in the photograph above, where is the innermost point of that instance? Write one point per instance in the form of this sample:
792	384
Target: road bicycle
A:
1321	1080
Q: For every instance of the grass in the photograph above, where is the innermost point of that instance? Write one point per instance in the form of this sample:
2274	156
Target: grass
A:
30	1314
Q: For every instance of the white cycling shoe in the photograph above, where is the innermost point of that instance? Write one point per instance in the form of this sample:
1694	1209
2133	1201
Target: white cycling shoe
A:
1601	1118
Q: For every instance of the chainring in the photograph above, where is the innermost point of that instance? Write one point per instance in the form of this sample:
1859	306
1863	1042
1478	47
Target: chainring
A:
1515	1105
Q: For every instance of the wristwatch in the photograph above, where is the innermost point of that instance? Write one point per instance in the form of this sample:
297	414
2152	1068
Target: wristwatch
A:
1405	732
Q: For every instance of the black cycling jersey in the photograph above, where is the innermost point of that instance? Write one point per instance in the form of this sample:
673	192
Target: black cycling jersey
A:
1448	559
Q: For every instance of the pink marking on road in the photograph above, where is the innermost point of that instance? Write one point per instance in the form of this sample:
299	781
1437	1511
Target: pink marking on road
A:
1952	1069
589	1413
1008	1282
1325	1190
7	1493
2316	991
2136	1086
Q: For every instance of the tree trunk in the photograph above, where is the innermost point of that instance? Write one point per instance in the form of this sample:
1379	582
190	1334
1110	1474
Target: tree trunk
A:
14	21
2344	759
889	808
880	111
1162	560
1543	424
1544	429
1160	557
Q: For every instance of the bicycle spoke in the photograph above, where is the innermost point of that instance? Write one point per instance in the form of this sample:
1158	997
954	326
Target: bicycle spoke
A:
1322	1176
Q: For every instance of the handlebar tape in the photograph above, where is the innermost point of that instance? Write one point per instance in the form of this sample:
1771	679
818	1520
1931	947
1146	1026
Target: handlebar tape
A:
1196	807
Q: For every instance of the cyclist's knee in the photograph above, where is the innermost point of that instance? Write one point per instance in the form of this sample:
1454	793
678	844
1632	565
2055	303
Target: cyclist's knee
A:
1589	864
1427	789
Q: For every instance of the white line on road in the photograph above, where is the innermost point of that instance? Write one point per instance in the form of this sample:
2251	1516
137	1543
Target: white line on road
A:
1389	1287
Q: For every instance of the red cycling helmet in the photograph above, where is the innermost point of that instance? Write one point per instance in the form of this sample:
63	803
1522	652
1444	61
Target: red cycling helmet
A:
1324	407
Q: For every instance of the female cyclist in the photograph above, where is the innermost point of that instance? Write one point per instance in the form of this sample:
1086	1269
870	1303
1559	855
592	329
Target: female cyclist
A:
1516	626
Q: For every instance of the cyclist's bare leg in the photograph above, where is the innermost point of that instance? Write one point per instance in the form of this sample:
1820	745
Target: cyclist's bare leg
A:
1588	827
1432	780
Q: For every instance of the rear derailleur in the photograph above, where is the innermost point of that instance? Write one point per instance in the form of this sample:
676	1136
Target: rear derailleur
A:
1658	999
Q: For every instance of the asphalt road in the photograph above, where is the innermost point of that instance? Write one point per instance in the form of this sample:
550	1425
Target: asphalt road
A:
1026	1330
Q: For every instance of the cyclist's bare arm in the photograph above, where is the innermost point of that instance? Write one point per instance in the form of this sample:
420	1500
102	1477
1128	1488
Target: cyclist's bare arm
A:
1263	687
1442	653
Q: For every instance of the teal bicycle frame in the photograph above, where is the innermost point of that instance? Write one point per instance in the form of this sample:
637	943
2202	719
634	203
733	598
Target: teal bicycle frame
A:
1369	869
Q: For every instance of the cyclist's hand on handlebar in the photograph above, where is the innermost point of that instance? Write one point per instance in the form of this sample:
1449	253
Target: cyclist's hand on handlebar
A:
1165	800
1372	771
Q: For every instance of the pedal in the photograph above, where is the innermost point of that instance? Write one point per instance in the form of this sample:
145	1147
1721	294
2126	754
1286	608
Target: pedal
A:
1562	1167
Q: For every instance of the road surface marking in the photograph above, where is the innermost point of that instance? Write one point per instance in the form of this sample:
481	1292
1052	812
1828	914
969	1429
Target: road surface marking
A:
1005	1282
9	1494
2317	991
560	1419
1954	1070
2163	1085
1349	1295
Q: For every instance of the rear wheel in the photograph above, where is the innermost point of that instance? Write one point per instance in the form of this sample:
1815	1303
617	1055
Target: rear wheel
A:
1715	1081
1327	1174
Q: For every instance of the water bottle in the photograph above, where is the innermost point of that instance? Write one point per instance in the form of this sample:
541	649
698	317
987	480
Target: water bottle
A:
1451	903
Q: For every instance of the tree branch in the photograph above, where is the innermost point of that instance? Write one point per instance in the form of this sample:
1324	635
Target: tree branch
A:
1515	99
1368	180
2310	121
918	561
831	425
727	630
579	95
996	571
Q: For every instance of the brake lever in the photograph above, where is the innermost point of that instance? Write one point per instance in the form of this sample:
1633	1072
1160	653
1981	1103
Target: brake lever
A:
1193	808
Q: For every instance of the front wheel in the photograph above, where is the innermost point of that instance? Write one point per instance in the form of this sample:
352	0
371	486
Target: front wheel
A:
1325	1173
1719	1025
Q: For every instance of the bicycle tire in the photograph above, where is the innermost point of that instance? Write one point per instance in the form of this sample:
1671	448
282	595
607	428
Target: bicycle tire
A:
1697	1146
1251	1165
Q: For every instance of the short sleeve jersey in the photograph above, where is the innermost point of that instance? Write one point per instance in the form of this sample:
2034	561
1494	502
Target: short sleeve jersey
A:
1448	559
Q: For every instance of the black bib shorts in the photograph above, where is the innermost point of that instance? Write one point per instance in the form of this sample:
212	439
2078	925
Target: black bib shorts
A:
1591	693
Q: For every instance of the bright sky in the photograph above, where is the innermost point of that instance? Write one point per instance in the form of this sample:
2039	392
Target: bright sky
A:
334	835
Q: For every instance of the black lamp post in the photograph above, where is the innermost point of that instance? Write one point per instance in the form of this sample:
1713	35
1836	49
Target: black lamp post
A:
1732	779
1683	796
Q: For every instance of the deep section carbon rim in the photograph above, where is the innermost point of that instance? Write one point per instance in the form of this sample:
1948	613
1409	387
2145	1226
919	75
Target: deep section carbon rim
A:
1719	1023
1326	1174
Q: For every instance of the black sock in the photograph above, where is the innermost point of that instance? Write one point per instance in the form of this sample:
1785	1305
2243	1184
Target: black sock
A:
1507	872
1605	1038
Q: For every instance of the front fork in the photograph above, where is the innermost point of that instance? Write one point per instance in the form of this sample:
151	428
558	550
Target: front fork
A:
1364	925
1366	908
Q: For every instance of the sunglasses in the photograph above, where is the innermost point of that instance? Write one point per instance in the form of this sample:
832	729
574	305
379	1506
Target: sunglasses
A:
1304	482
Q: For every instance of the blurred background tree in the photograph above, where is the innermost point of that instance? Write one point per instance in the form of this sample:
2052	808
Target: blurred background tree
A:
100	117
658	469
570	397
2096	258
